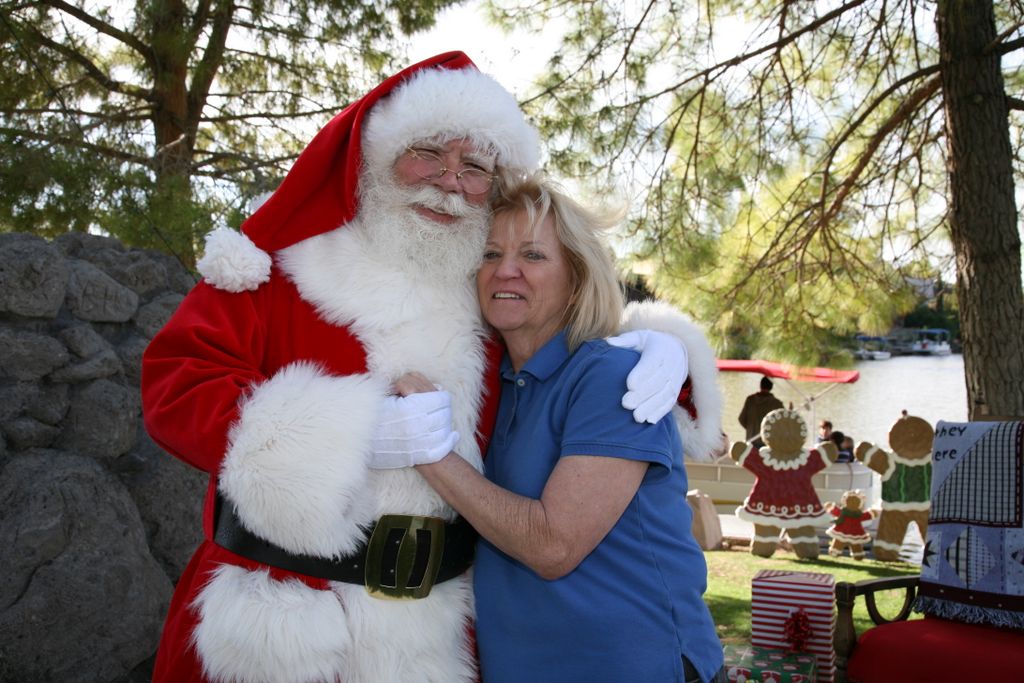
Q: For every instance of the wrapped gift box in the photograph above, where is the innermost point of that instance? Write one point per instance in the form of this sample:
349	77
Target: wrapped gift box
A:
777	594
749	664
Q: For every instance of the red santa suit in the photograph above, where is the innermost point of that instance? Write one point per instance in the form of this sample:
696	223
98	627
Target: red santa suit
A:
270	376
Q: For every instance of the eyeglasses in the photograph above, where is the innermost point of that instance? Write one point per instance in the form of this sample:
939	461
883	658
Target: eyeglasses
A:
430	166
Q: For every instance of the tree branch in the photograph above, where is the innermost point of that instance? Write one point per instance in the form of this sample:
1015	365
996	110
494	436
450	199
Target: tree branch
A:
929	88
875	103
94	72
1007	47
209	64
770	47
103	27
77	142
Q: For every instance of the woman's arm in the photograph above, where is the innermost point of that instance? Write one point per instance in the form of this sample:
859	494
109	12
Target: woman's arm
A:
581	502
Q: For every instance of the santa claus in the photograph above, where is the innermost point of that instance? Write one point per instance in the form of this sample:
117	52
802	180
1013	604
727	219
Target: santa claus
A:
274	373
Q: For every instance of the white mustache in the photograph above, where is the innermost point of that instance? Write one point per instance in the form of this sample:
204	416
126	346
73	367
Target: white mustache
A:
441	202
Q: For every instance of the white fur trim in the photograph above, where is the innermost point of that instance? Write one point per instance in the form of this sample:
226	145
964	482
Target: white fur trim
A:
703	437
847	538
296	465
253	628
352	282
802	539
446	102
421	641
232	262
885	545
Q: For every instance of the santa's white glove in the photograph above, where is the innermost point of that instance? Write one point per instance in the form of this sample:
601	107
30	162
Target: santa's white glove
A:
413	430
653	385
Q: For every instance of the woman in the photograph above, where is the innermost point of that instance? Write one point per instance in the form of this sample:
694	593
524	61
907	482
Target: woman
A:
587	570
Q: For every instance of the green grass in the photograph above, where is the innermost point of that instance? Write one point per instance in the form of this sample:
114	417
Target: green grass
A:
729	580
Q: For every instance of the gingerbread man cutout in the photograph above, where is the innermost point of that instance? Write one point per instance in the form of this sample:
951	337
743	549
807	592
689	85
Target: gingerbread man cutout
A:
906	482
783	497
848	528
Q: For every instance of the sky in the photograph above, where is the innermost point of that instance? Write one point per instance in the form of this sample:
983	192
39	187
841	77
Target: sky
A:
514	59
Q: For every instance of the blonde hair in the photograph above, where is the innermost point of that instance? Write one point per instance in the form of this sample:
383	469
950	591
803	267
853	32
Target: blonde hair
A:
596	301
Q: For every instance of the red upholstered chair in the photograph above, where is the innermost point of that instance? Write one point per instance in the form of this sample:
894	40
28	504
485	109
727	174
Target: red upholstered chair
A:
929	650
971	587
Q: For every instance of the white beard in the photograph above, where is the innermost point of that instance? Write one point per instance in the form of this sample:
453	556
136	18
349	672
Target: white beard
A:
449	252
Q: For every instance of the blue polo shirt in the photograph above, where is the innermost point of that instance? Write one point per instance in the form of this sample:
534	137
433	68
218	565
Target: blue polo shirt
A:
634	606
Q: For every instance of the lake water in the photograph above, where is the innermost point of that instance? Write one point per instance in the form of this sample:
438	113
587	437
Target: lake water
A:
932	388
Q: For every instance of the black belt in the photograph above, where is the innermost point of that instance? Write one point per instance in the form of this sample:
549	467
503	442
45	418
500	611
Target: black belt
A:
403	556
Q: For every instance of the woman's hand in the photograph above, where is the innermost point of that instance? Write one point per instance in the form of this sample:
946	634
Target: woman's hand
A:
414	383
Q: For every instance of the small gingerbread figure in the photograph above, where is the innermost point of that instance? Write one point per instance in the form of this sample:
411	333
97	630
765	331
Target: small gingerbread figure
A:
848	528
906	482
783	497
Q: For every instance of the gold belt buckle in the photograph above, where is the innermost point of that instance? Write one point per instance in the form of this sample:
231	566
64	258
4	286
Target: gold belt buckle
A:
401	537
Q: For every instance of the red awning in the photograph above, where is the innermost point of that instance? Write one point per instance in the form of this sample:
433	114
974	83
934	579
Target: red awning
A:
790	372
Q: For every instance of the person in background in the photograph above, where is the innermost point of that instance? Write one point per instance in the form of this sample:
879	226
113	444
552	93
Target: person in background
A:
824	431
755	407
846	449
587	569
838	438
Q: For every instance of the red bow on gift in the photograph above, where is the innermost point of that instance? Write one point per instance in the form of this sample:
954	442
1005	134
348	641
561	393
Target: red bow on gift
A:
798	630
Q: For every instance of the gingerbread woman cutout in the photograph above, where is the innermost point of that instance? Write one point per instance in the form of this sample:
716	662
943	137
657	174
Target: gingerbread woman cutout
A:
848	528
783	497
906	482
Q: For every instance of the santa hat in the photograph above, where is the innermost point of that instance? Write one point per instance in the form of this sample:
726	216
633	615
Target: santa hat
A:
444	96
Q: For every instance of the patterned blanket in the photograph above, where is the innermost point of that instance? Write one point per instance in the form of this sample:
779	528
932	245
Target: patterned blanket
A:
973	565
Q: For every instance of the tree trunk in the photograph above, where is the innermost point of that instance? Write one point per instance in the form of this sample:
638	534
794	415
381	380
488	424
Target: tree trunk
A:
982	215
174	133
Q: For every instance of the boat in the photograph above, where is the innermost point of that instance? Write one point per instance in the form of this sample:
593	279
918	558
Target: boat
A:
872	348
931	342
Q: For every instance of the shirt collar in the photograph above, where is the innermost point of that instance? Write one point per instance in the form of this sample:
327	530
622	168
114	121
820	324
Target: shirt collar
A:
544	362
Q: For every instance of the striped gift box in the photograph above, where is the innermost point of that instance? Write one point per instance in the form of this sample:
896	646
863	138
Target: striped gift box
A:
776	594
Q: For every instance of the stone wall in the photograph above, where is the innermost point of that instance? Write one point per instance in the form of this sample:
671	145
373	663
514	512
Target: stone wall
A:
96	522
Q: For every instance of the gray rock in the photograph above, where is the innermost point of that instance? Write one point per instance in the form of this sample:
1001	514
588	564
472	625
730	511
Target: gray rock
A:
101	420
81	598
83	341
93	295
155	314
104	364
105	252
15	397
25	432
33	276
134	269
9	238
28	355
179	278
49	403
90	535
130	352
84	245
169	494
